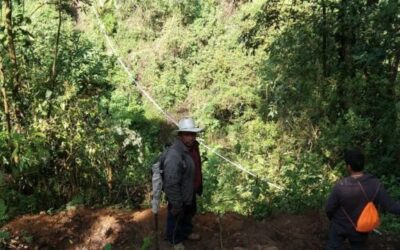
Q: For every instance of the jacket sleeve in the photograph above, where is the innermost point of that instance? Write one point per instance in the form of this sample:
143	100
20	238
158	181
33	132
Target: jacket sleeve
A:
173	179
332	203
386	202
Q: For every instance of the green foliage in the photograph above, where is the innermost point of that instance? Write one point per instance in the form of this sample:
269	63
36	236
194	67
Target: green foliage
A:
108	246
307	184
390	224
108	16
56	155
4	238
146	243
76	200
281	88
3	211
274	89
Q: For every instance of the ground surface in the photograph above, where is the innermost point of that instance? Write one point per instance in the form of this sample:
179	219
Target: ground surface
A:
93	228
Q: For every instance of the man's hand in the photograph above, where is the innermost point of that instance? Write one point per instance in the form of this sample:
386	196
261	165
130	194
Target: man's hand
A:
176	211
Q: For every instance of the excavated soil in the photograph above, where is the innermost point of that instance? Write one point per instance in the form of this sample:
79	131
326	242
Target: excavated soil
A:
83	228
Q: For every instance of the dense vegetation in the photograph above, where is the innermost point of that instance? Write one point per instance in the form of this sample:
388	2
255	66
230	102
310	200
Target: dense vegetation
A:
280	86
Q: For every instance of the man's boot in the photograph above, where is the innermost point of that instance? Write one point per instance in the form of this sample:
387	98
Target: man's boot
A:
179	246
194	236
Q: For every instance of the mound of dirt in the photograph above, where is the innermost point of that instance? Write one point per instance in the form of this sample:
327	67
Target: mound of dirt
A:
83	228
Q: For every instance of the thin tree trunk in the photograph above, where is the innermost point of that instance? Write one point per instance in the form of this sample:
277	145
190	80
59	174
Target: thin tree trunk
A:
394	68
5	99
6	110
53	74
10	42
55	54
324	31
12	112
15	82
345	38
109	176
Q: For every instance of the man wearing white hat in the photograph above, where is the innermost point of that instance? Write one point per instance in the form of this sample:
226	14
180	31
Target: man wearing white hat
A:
182	181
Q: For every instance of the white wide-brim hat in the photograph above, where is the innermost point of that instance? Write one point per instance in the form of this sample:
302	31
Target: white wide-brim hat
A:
187	125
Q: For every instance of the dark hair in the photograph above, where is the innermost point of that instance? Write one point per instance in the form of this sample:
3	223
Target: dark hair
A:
354	158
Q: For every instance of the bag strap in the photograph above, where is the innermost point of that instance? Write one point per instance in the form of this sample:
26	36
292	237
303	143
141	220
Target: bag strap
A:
348	217
376	192
365	195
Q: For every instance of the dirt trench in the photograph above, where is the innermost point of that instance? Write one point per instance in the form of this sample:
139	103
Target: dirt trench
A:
87	229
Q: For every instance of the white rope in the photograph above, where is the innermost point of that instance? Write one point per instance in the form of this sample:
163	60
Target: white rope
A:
136	83
237	165
170	118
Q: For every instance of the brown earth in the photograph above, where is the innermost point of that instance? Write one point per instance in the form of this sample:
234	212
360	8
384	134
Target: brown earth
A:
83	228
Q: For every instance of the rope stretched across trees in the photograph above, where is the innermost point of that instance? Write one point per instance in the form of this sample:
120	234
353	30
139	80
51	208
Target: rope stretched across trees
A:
169	117
165	113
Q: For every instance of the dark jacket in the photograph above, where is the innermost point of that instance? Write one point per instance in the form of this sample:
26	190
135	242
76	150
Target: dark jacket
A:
179	172
347	194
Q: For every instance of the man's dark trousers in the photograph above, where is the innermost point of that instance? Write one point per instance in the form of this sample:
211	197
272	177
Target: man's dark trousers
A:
338	235
180	227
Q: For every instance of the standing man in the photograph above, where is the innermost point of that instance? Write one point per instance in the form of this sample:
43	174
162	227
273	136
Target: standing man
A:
349	197
182	181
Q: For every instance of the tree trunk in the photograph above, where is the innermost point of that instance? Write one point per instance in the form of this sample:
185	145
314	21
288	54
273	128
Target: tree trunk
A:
394	68
53	73
324	31
10	43
5	99
7	169
345	37
6	111
15	82
109	176
11	103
